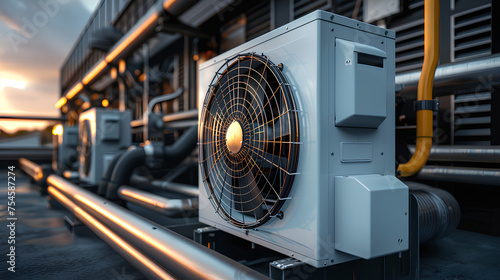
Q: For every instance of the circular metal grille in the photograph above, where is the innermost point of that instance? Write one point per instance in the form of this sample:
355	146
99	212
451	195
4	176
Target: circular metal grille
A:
249	137
85	146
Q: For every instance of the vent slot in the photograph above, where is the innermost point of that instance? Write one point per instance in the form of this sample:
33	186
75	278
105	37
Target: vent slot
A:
409	46
472	33
258	20
303	7
371	60
472	113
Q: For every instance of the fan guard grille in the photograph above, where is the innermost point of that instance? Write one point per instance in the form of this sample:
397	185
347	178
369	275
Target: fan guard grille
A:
249	140
85	146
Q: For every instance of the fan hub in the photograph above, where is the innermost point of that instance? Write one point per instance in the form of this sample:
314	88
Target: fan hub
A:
234	137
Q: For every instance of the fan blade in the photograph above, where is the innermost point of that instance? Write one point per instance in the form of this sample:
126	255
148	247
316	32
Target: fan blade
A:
247	196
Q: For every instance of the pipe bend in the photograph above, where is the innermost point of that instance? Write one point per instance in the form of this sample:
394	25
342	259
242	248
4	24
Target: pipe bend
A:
127	162
424	117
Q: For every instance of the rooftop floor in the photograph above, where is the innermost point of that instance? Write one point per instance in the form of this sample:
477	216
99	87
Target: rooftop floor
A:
46	249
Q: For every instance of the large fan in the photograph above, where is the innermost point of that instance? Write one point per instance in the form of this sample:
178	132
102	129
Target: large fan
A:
249	140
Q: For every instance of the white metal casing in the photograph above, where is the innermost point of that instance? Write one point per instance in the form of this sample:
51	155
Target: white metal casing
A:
307	49
110	132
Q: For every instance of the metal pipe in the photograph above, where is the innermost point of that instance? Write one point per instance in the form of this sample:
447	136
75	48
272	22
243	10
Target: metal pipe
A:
33	118
124	166
140	261
467	175
185	207
185	115
183	258
32	169
165	185
456	76
71	174
438	211
425	83
490	154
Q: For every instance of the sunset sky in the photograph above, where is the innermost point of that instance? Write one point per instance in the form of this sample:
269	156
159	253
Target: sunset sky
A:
35	38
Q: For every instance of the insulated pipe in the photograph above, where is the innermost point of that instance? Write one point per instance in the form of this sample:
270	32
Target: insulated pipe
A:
438	211
103	184
124	166
184	146
165	185
424	116
32	169
489	154
182	207
467	175
135	257
183	258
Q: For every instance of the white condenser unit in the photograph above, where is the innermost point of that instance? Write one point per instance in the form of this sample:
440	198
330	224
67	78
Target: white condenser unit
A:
102	134
297	142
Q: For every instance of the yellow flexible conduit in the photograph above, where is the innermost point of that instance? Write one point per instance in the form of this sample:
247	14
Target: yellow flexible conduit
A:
424	117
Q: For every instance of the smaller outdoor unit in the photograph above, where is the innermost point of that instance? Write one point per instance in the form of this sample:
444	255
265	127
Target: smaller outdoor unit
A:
65	144
102	133
297	144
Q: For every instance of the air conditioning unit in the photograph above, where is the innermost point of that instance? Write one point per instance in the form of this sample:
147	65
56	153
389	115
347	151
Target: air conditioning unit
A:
102	133
65	141
296	142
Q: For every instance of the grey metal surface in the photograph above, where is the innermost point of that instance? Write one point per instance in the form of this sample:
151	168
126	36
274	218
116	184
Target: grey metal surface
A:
138	259
170	207
43	153
180	256
467	175
463	153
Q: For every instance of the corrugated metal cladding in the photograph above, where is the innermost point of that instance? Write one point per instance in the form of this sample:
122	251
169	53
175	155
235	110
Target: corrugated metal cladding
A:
468	22
472	33
122	14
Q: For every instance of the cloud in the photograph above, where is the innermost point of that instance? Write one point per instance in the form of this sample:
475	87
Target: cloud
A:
35	38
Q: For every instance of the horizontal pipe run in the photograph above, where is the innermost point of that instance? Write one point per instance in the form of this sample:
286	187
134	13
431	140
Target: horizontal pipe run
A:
31	168
490	154
165	185
190	114
455	75
467	175
141	262
182	207
183	258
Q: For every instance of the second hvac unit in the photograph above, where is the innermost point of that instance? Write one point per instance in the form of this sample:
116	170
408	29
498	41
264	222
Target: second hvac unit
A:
296	142
65	142
102	133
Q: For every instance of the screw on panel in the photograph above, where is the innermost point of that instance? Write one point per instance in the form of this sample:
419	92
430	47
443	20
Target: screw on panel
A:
332	153
331	17
331	29
279	215
154	228
382	42
381	153
348	61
